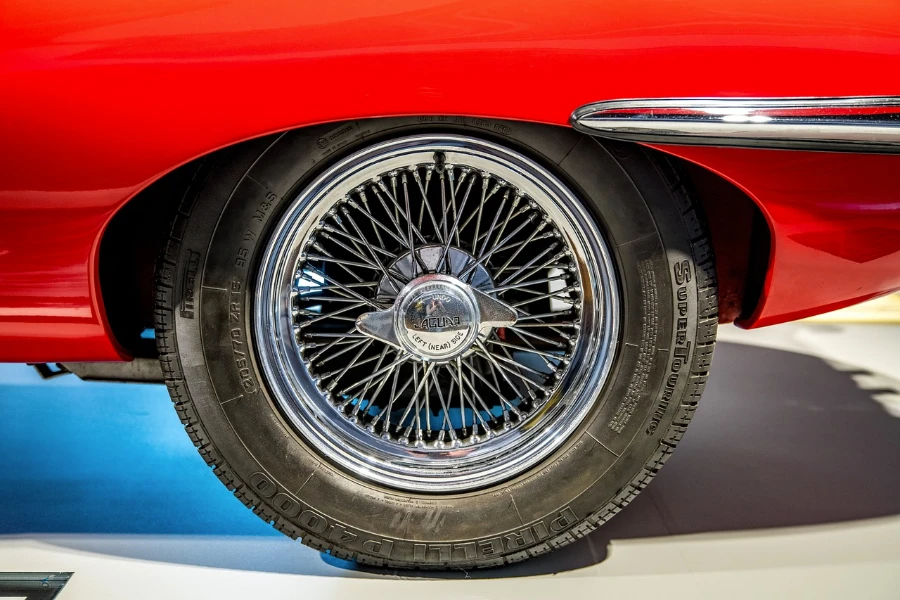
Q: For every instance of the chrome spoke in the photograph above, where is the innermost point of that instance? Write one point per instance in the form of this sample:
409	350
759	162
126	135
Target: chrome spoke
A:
485	179
503	369
505	405
324	299
522	272
529	317
410	227
509	216
381	267
415	401
423	188
326	235
553	326
331	315
554	261
344	287
523	334
361	190
521	247
524	284
335	288
446	425
386	412
452	188
445	237
490	230
563	295
552	367
394	215
342	336
529	348
401	359
378	224
336	376
335	231
461	383
454	229
484	257
399	210
314	359
362	394
345	264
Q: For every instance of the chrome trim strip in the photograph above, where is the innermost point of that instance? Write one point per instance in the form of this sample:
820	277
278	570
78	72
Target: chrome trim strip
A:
845	124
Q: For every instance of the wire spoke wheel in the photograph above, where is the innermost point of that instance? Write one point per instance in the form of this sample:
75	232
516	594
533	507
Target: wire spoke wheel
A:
436	313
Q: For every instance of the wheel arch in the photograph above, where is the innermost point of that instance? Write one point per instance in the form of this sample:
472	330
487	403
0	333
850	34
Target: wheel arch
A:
741	237
136	233
128	251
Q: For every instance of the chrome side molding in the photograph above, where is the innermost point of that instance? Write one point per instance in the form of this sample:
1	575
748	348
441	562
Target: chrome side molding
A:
842	124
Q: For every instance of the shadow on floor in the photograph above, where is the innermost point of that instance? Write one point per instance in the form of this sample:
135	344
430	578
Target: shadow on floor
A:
780	440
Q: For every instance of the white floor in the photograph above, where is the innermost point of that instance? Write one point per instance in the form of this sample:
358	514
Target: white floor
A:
786	485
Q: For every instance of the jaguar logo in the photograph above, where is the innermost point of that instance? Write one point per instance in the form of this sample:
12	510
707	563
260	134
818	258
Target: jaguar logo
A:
439	322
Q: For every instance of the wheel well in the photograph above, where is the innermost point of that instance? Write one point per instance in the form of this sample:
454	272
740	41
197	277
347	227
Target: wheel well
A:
741	240
128	252
135	235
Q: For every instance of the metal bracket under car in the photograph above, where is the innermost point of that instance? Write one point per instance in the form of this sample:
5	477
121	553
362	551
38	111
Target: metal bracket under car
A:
139	370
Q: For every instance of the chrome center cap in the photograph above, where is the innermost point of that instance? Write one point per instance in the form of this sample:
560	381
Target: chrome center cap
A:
436	318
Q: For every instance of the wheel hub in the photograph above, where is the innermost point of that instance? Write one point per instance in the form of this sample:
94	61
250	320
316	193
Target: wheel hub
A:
436	318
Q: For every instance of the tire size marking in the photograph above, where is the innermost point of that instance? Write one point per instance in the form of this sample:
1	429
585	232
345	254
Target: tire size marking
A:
238	340
682	352
646	351
442	119
500	128
260	213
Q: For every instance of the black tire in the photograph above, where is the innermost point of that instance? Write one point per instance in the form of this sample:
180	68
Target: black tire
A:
666	271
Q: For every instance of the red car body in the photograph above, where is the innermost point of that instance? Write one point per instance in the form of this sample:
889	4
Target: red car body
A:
100	98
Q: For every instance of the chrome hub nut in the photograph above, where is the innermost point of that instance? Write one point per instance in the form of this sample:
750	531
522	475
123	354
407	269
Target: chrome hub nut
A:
436	318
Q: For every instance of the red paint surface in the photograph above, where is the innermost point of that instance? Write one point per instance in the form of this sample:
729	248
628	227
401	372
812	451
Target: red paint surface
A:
835	220
100	97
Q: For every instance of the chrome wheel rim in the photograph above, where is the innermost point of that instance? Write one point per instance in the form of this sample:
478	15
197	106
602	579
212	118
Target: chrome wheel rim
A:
368	324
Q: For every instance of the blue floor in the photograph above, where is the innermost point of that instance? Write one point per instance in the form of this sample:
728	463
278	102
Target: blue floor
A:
780	440
79	457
